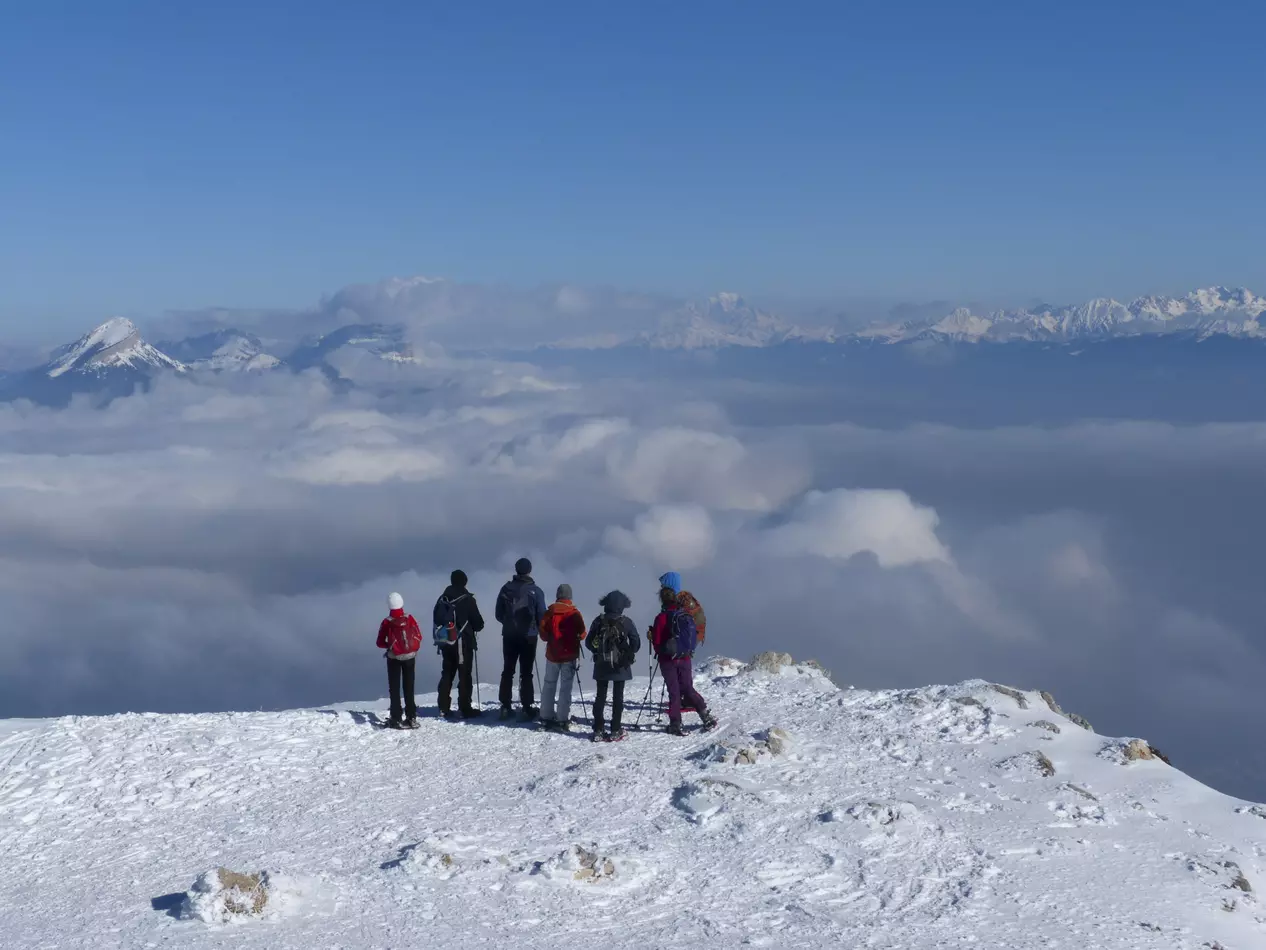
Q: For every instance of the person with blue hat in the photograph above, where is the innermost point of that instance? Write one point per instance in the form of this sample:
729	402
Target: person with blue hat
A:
674	639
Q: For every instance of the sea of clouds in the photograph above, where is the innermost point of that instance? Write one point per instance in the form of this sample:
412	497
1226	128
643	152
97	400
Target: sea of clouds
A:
229	543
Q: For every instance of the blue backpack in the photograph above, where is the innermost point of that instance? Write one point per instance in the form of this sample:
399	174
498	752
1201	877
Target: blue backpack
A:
683	636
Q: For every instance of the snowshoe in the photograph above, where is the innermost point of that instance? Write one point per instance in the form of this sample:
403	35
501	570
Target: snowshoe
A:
547	723
674	729
618	736
411	724
599	736
394	724
471	713
709	722
506	712
528	714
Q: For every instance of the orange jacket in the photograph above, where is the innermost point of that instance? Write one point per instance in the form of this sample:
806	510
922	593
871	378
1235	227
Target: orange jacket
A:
563	630
695	609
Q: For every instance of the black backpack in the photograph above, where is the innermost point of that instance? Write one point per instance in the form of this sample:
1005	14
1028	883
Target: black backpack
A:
615	645
521	609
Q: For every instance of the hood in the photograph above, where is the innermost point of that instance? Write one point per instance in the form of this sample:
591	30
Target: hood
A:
452	592
616	602
524	578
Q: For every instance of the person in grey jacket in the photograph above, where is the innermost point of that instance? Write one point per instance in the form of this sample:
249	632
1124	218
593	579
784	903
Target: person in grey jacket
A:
614	642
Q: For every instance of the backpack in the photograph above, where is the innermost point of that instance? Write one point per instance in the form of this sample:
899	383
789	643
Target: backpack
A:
445	631
521	609
615	646
402	642
683	636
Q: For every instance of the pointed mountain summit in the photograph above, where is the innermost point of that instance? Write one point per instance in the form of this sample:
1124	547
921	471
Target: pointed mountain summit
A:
115	345
111	361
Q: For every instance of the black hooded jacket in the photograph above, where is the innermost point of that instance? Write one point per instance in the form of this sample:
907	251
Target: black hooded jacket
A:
613	605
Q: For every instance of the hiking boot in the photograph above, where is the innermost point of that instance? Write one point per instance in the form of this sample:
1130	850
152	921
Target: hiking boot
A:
549	723
709	721
446	713
674	729
472	713
506	712
411	723
562	725
394	724
616	736
599	736
528	713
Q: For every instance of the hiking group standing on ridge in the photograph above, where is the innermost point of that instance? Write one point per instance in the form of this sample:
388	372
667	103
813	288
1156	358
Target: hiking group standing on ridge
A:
612	640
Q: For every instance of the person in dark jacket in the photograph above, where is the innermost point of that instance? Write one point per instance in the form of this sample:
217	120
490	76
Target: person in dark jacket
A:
458	658
520	608
610	669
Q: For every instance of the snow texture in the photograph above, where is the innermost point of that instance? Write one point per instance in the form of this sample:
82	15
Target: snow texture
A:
912	819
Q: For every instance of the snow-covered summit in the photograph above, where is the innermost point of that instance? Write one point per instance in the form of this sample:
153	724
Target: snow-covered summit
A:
1206	312
814	816
726	319
223	351
115	344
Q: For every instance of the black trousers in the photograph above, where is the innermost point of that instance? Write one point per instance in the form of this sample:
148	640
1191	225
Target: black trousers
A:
457	663
400	672
520	652
617	704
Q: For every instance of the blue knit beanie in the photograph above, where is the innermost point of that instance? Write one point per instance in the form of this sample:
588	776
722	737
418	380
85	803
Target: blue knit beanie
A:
671	580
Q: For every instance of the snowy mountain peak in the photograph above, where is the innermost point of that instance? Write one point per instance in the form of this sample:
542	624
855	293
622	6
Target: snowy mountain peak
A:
726	319
222	351
115	344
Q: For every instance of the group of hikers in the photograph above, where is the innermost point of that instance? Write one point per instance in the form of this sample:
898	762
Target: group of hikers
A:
612	641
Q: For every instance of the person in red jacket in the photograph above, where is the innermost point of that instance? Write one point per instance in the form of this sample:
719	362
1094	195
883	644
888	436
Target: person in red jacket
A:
400	635
562	630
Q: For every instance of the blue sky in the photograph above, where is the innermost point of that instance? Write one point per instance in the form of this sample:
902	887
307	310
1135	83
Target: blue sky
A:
174	155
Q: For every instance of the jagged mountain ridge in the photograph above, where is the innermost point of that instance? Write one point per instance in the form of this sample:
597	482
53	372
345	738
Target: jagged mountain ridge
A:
1211	311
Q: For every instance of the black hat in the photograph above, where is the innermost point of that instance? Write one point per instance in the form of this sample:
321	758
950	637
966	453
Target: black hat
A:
458	578
523	566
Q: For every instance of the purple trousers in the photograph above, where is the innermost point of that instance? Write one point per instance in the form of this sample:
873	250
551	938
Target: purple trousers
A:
679	677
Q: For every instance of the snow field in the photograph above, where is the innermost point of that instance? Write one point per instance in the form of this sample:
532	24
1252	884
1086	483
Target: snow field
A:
910	819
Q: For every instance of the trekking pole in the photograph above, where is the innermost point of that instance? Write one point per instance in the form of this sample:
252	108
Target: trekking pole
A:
478	693
582	690
645	699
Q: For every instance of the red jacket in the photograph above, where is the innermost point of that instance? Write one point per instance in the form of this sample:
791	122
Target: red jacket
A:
400	635
563	630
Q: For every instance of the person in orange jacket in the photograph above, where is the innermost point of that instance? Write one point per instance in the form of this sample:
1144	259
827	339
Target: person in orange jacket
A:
562	630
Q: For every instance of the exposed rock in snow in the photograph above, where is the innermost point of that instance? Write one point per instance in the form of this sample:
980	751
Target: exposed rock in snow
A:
770	662
222	895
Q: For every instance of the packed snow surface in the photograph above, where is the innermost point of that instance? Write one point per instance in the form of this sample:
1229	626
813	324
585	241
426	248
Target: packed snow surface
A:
812	817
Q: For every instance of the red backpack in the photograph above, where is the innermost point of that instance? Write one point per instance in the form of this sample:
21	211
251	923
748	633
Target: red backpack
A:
404	637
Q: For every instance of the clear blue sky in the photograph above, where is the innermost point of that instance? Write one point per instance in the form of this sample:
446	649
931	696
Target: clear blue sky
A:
182	154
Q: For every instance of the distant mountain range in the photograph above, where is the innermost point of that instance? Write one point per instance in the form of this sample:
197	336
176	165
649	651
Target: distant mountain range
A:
1212	311
113	359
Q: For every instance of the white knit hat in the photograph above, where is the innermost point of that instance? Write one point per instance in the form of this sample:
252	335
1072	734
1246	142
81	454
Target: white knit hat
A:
395	601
